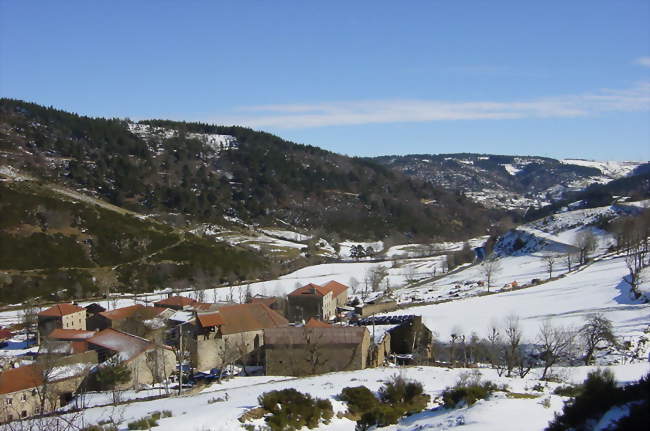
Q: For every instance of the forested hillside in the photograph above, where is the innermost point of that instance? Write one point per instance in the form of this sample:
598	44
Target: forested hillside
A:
56	247
176	172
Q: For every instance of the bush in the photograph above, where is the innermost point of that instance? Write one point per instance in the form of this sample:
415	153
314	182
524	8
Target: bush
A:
359	399
568	391
468	389
100	427
398	397
382	415
112	375
292	410
145	423
598	394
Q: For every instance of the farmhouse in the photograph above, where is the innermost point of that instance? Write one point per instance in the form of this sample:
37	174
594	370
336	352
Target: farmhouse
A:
64	316
232	333
300	351
42	387
148	362
316	301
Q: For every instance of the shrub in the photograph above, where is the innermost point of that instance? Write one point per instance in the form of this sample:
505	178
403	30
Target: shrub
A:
359	399
538	387
400	391
145	423
291	409
599	394
112	375
398	397
468	389
382	415
568	391
100	427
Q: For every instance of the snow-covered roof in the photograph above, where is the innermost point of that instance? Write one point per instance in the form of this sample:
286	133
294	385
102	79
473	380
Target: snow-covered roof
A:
126	345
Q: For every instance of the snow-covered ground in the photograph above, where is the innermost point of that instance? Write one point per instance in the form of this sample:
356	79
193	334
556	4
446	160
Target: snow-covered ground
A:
611	169
566	301
218	407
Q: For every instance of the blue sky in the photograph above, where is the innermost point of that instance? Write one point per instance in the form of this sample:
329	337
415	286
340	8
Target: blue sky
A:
552	78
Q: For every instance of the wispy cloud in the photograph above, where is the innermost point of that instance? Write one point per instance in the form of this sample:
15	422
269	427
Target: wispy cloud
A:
636	98
643	61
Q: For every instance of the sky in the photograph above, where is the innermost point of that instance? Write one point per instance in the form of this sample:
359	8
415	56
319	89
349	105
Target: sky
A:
563	79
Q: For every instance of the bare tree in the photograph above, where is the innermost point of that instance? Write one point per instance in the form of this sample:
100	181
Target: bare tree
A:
316	358
586	244
375	276
512	334
570	259
555	344
490	267
549	261
456	338
596	331
410	274
494	348
354	284
29	318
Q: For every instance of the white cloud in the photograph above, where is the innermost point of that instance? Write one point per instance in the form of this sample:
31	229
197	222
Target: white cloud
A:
636	98
643	61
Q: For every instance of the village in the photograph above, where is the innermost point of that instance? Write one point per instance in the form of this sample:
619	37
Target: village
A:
178	342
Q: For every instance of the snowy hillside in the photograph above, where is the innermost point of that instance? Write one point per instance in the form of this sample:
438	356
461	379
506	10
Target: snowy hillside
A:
216	142
610	169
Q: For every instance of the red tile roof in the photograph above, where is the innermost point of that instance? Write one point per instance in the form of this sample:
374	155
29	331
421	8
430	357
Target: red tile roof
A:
18	379
310	289
212	319
266	301
78	346
315	323
249	317
176	301
336	287
61	310
314	289
70	334
122	313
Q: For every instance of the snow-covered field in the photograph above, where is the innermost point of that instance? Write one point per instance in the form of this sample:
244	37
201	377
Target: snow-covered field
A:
218	407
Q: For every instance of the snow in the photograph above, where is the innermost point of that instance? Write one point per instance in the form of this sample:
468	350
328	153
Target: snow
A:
610	169
199	411
566	301
511	169
216	142
287	234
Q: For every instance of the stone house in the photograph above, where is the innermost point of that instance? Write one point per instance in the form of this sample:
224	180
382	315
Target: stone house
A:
64	316
301	351
316	301
41	387
410	339
149	362
146	322
233	333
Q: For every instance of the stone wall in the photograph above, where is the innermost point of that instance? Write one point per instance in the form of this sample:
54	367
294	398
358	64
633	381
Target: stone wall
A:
310	359
381	307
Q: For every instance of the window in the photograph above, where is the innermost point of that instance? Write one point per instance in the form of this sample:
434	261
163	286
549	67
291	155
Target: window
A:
23	414
23	397
8	401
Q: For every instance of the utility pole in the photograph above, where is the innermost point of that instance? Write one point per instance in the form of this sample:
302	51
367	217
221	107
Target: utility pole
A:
181	357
